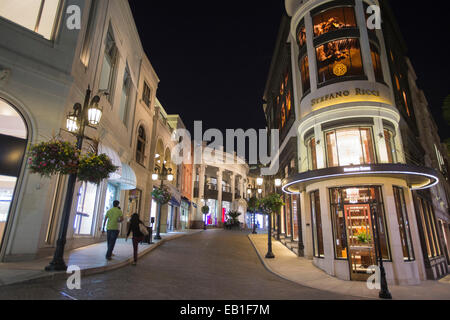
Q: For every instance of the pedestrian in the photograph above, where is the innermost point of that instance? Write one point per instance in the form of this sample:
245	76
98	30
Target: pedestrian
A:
138	236
114	216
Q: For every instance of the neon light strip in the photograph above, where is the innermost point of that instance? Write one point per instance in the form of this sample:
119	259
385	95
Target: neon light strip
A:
361	173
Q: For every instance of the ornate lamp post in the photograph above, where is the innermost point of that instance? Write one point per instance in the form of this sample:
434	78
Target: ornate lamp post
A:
384	291
163	175
87	115
277	185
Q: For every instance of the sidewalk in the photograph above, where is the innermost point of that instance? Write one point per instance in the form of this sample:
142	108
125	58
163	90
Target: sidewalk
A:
90	259
302	271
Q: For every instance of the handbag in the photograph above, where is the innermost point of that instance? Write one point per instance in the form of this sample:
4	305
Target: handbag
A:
143	229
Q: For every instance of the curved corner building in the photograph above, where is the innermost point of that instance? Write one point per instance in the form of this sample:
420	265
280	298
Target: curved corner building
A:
356	181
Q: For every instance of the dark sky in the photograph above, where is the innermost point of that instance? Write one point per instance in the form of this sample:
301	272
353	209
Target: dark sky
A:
213	57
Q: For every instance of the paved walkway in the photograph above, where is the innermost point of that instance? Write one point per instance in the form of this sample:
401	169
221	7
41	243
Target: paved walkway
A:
90	259
299	270
210	265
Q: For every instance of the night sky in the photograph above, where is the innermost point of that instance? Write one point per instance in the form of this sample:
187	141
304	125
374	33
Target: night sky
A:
213	57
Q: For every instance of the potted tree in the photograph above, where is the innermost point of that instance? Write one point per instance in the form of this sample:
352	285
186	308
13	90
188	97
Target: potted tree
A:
253	205
271	205
233	220
205	211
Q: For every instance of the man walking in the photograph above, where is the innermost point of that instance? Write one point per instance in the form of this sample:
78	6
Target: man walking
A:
114	216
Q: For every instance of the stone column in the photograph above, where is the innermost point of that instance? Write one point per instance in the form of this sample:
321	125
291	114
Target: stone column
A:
201	192
233	186
219	197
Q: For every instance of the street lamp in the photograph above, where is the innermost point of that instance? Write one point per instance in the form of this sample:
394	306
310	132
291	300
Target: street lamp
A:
384	291
87	115
278	184
163	175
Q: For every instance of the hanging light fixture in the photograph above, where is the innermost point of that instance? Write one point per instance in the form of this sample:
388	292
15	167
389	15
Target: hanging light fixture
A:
259	181
277	182
72	123
95	112
170	176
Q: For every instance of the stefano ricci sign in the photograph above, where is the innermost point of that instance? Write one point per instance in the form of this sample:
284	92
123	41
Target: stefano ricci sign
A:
348	96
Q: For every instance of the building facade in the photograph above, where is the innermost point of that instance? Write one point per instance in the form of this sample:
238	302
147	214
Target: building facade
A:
46	68
219	183
357	181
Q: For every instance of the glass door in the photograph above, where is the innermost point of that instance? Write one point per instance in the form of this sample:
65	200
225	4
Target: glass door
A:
360	240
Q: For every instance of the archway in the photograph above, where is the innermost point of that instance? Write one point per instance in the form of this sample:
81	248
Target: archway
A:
13	145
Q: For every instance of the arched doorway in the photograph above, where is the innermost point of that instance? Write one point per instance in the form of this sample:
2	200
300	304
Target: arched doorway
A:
13	145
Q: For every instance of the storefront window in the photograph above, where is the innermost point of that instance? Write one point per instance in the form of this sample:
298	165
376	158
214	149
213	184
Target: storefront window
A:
287	200
377	68
339	59
429	229
350	146
316	224
36	15
7	186
86	209
403	222
304	70
339	228
334	19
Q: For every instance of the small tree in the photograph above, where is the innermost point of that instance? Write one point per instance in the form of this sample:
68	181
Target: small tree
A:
205	211
271	205
233	219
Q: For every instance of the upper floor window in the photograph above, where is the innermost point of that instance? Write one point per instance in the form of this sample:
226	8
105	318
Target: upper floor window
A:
146	94
334	19
302	34
390	146
350	146
339	59
377	68
283	101
125	96
39	16
304	71
109	64
140	148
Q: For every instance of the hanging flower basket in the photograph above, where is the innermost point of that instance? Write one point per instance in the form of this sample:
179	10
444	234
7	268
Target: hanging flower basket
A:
95	168
162	196
53	157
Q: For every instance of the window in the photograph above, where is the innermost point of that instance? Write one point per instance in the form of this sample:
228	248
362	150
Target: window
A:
86	208
302	34
390	146
283	101
39	16
377	68
403	223
109	64
334	19
429	228
140	148
316	224
86	52
304	70
146	94
350	146
312	154
338	59
125	96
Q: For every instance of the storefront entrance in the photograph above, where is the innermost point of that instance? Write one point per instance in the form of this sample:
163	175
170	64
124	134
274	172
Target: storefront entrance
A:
360	240
353	212
13	145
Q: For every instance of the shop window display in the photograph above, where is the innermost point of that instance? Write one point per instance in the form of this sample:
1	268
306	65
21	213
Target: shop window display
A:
403	222
334	19
339	59
316	220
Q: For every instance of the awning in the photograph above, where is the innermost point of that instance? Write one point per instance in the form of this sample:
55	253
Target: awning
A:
186	200
174	202
128	179
102	149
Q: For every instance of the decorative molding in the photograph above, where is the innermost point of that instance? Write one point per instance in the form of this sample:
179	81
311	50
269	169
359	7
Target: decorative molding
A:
4	75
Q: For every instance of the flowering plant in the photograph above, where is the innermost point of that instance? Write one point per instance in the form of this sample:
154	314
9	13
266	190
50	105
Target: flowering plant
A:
94	168
363	235
53	157
161	195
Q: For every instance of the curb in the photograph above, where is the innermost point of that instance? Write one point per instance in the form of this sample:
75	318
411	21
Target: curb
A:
267	267
97	270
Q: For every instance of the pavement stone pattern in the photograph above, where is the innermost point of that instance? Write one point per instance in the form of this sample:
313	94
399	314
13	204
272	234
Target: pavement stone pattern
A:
302	271
210	265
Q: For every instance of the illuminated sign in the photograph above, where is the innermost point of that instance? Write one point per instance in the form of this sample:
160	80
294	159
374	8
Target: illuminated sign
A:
346	93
